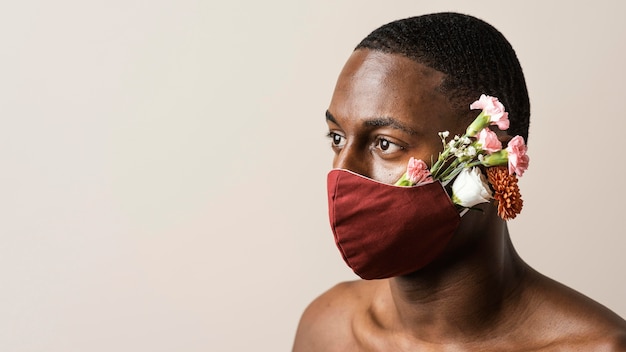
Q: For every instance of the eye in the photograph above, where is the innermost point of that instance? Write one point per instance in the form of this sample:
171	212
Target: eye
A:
387	147
337	140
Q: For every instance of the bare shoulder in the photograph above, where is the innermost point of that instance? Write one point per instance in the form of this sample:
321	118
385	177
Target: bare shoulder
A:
326	323
573	321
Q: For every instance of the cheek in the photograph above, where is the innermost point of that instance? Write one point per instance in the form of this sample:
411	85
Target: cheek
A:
389	173
427	150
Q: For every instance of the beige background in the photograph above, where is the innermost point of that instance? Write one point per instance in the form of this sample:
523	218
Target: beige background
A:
163	163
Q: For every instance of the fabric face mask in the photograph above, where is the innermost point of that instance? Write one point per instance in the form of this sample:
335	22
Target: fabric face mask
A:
384	230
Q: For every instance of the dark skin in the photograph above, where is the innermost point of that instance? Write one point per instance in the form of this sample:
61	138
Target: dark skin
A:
479	295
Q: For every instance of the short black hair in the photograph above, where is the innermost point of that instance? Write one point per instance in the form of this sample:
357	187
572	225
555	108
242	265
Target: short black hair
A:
475	57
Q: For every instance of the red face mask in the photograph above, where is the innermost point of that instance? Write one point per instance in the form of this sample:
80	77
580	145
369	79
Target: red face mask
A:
384	230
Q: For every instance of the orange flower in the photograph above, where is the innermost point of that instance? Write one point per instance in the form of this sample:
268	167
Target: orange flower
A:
506	192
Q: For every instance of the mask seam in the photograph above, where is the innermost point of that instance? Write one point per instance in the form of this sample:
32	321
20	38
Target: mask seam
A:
334	228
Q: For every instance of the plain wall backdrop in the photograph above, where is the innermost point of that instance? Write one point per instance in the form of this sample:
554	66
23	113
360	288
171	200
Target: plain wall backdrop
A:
163	163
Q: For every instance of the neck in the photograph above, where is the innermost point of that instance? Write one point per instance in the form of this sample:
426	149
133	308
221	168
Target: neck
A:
467	292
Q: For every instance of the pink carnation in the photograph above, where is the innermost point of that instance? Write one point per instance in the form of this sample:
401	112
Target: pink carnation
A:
417	171
489	141
518	160
494	109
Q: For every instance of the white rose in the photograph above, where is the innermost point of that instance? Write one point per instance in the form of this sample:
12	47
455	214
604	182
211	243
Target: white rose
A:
470	188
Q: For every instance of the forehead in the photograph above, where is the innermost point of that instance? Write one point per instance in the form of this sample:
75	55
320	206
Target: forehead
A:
374	84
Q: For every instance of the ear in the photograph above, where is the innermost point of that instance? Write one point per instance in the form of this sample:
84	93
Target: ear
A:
503	136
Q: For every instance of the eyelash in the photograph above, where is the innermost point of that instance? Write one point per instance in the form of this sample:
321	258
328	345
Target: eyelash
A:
377	145
379	140
331	135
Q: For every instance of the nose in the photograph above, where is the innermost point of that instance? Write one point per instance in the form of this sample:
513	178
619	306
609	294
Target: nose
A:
352	159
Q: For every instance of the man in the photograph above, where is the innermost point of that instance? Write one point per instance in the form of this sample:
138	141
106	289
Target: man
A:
406	82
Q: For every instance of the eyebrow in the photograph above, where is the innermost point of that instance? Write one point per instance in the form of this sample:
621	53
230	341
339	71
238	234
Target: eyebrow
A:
330	117
378	122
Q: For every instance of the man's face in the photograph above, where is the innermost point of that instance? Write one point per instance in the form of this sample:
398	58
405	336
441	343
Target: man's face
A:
385	109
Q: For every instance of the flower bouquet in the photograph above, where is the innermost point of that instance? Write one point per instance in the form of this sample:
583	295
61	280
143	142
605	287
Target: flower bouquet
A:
464	158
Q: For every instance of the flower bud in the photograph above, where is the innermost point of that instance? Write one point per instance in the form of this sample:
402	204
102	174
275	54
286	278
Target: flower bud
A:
498	158
481	121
